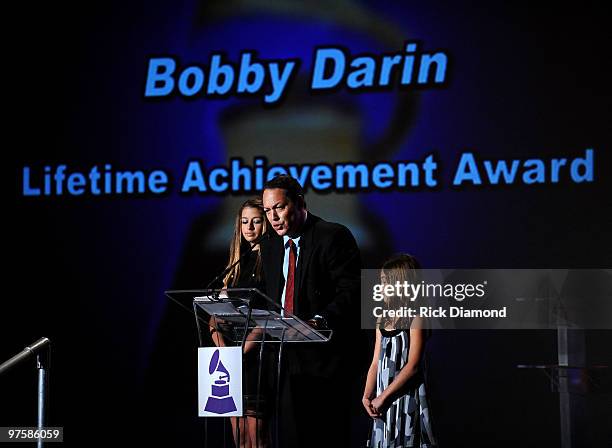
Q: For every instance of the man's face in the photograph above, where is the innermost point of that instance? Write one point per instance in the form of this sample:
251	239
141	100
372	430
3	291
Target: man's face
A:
283	214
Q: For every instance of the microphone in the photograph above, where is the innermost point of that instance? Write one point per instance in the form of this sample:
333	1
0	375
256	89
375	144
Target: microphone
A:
252	245
37	347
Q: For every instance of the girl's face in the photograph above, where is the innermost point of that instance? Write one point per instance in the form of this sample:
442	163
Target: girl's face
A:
251	223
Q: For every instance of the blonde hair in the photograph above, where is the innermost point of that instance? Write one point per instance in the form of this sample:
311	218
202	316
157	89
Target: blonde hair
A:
238	240
399	268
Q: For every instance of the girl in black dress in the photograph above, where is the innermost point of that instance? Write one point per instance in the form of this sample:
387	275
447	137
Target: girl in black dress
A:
250	224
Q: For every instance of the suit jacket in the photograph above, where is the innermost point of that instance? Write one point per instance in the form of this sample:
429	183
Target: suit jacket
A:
327	282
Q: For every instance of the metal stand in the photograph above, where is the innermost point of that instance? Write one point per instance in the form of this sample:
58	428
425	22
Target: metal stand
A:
41	349
570	358
42	363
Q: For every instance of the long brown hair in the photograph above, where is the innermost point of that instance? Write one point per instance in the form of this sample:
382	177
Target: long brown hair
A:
238	240
399	268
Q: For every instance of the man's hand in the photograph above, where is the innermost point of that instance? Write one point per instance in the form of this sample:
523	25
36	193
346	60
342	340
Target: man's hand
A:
313	323
318	323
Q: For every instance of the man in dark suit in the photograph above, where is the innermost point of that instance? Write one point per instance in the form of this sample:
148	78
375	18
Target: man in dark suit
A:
312	268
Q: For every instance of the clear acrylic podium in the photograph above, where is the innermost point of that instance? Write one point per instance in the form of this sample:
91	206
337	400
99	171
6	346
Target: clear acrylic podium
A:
247	318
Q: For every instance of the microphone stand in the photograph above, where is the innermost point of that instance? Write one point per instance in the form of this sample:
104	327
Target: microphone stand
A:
41	349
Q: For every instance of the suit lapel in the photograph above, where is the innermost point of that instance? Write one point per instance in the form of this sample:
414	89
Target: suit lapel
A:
274	273
306	246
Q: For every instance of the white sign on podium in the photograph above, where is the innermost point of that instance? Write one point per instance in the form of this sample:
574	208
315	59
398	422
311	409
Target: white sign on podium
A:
220	381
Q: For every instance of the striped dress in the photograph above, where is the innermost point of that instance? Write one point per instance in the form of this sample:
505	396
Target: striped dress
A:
407	421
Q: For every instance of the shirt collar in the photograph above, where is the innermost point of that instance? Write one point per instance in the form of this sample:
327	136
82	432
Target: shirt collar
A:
296	240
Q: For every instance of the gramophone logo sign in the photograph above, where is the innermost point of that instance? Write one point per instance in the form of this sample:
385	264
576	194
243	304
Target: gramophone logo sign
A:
219	381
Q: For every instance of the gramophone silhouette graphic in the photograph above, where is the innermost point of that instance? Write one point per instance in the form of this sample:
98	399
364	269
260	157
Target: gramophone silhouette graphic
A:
220	400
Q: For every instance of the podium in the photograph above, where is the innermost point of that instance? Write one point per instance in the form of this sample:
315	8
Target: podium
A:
247	319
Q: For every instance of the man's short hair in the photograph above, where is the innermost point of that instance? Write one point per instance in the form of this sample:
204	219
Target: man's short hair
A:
292	187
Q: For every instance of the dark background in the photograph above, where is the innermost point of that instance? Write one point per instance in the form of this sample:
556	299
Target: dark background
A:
89	273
